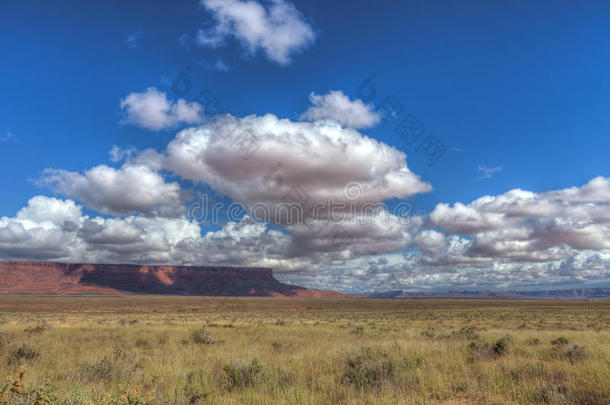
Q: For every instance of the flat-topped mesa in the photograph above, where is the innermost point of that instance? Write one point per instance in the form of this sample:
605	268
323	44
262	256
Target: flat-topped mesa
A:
75	278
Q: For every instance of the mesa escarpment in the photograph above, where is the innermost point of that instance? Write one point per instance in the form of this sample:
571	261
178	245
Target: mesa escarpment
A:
72	278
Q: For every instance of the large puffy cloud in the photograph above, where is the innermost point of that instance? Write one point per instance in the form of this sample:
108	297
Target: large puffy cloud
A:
319	180
522	226
264	159
430	241
130	189
38	230
276	27
339	240
54	229
152	110
595	191
514	240
338	107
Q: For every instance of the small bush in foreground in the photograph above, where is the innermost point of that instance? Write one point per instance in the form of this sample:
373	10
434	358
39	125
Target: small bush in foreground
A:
20	353
573	354
560	341
488	351
37	329
201	337
369	369
501	346
118	368
194	388
240	375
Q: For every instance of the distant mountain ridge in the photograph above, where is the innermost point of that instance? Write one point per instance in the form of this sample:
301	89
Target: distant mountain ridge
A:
23	277
563	293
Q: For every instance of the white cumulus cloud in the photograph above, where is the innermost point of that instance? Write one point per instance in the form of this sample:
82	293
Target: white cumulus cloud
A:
521	225
152	110
265	159
338	107
130	189
276	27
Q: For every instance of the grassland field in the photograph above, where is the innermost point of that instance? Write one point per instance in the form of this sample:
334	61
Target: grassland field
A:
200	350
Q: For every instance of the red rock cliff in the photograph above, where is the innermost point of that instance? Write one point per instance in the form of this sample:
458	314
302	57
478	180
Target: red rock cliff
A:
64	278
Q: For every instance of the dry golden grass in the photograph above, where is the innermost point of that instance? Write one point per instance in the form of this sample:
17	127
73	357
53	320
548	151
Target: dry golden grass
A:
180	350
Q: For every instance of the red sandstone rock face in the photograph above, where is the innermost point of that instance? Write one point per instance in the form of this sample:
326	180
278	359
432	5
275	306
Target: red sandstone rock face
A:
64	278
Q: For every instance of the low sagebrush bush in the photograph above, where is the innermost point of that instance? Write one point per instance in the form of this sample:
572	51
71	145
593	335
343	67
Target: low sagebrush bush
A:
501	346
488	351
573	354
117	368
466	332
280	346
560	341
37	329
241	375
194	388
105	370
201	337
24	352
370	368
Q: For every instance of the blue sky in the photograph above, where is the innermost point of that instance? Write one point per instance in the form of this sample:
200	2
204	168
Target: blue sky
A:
517	93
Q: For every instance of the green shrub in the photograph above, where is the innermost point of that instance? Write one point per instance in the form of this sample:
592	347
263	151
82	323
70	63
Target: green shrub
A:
240	375
577	353
194	388
501	346
103	370
533	342
370	369
117	368
488	351
573	354
37	329
560	341
23	352
201	337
